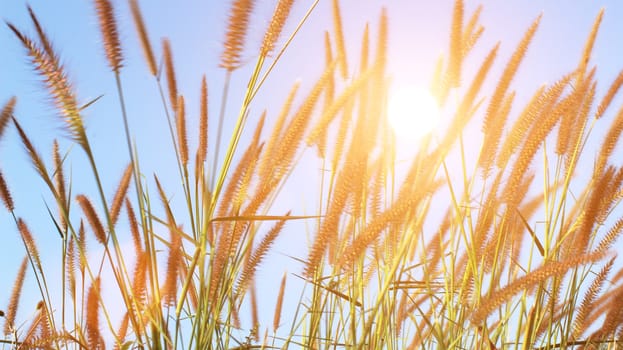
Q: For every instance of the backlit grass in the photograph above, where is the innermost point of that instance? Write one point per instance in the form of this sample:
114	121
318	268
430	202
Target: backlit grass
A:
510	248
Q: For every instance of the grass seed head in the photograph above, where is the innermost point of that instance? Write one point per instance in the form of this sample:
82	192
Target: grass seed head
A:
143	37
237	28
108	27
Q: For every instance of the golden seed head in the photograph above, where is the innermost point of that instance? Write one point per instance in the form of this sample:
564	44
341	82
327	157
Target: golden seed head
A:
202	149
47	64
120	195
6	113
144	38
236	33
5	195
108	27
15	297
282	11
92	218
170	73
92	323
181	130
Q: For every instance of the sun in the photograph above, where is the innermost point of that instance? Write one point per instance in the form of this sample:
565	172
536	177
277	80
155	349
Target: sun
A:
412	113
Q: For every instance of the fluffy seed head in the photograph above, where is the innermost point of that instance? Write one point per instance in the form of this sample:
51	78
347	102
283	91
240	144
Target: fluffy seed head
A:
144	38
236	32
94	220
59	182
180	122
122	190
276	26
339	38
108	27
6	113
29	242
170	73
15	296
202	150
173	268
5	195
48	65
277	317
94	337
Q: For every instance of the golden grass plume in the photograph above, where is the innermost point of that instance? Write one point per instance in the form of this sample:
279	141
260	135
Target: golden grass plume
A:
121	193
92	218
237	28
609	96
339	38
29	242
174	261
59	182
57	82
279	305
248	273
494	121
579	324
94	336
456	44
9	320
6	113
180	122
110	35
282	11
170	73
202	148
5	195
139	23
540	274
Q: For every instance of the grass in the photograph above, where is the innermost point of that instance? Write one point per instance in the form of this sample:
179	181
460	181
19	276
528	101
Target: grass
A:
490	254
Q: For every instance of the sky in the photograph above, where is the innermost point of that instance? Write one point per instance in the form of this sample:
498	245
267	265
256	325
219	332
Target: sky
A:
418	32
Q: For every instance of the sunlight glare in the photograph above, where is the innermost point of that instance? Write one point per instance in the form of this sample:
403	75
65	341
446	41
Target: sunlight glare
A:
412	113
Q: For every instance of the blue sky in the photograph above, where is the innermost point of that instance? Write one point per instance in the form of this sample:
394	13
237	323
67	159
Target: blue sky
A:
419	32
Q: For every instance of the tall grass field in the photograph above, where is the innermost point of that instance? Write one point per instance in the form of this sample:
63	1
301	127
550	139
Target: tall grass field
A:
216	211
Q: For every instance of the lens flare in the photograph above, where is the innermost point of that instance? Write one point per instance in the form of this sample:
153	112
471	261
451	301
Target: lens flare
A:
412	113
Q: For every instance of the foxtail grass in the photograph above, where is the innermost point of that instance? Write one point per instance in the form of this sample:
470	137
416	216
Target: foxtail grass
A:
498	240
